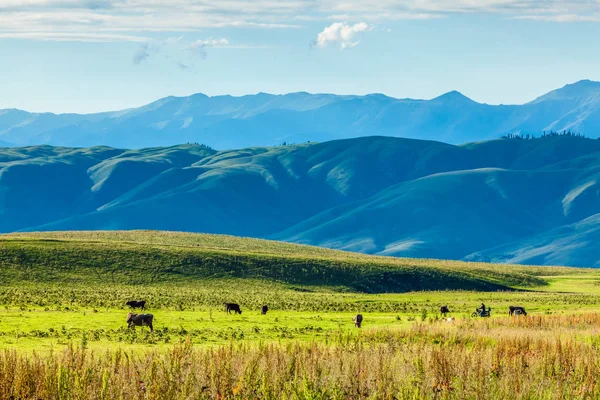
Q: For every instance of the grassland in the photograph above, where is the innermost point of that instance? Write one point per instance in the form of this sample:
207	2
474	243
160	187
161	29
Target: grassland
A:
62	317
147	257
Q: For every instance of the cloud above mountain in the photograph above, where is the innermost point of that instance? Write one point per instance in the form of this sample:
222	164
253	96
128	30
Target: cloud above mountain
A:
110	20
199	46
341	33
177	48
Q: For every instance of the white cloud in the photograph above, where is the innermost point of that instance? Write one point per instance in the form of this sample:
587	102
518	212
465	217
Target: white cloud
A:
209	43
199	47
179	51
562	18
73	37
340	33
74	19
101	16
392	9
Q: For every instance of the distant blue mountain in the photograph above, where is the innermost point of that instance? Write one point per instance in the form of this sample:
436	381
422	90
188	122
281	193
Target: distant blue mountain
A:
226	122
524	201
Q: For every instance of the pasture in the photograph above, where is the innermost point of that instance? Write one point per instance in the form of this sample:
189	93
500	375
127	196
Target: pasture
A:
48	317
63	312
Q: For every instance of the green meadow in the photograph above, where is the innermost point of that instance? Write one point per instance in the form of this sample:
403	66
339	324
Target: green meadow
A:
71	288
63	332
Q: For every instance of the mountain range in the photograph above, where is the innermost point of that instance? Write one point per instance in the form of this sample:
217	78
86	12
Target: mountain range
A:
533	201
226	122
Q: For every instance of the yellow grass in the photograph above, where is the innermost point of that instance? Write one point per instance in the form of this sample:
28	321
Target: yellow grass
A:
545	357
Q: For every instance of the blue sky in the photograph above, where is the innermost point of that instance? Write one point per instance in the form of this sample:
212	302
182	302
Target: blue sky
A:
97	55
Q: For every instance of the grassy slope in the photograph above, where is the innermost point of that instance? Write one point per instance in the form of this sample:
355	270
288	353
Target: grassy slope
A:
150	257
58	288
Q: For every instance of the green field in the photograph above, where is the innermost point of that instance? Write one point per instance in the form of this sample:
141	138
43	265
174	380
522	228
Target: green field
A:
61	288
62	317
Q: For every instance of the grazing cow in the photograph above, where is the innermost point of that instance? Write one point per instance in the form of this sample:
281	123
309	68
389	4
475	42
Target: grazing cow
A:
263	310
444	310
136	304
516	310
134	320
358	320
233	307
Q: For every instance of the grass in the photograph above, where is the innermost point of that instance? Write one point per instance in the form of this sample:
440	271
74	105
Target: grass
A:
143	257
61	286
551	357
63	333
39	317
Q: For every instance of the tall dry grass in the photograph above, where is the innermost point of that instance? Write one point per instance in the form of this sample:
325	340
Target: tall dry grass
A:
494	359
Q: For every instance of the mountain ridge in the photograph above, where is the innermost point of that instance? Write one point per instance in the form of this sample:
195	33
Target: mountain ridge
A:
230	122
583	83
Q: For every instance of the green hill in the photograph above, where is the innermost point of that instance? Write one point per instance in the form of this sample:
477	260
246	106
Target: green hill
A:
377	195
152	257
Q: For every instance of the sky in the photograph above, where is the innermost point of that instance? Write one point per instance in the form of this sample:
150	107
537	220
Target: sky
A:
99	55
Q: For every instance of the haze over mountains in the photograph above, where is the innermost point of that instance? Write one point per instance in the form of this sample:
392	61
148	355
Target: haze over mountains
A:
226	122
527	201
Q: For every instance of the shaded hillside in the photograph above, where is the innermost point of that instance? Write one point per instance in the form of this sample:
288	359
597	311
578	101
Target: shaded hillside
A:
560	246
376	195
150	257
448	214
227	122
532	188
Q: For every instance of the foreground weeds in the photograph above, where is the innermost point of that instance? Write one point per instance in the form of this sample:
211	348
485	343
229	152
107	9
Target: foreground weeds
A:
546	357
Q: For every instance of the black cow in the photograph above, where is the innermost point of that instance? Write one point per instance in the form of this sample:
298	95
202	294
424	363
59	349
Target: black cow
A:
358	320
444	310
232	307
263	310
516	310
136	304
134	320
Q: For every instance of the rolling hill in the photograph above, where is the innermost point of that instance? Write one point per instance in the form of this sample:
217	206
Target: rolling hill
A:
153	257
502	200
227	122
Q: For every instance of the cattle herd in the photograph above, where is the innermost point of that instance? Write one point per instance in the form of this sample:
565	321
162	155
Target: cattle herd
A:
134	320
512	310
